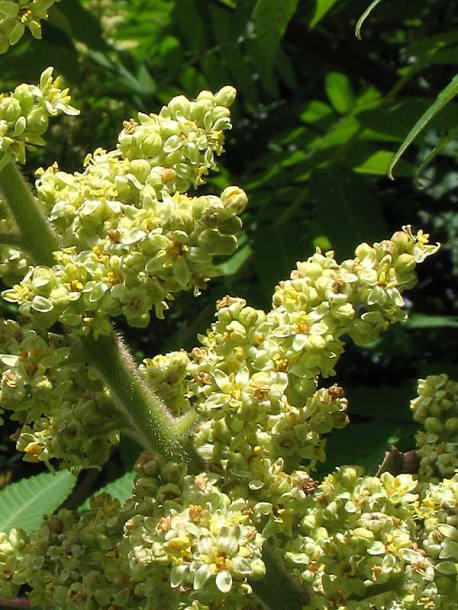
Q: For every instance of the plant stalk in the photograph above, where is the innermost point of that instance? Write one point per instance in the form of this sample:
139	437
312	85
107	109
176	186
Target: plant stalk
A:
37	237
146	417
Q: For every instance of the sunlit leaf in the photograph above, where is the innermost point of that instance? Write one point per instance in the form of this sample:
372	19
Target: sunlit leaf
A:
445	96
271	19
23	504
339	91
321	8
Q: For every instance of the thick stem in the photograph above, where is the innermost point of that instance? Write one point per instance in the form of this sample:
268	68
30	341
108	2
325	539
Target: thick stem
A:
11	239
278	589
147	418
37	236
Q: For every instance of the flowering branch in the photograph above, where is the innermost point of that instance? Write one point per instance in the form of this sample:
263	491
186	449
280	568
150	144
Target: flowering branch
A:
226	477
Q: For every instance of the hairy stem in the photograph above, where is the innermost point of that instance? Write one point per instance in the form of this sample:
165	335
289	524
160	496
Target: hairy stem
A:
147	418
37	236
278	589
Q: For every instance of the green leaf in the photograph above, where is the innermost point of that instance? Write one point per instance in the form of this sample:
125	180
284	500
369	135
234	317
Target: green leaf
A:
271	19
242	75
236	261
339	91
377	164
418	320
243	13
364	16
434	49
445	96
191	26
435	151
24	504
390	120
221	23
321	8
346	208
85	27
365	443
276	250
121	489
385	402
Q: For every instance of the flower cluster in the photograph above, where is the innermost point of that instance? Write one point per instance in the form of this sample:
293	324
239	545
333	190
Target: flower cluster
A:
187	533
11	548
130	236
24	113
439	510
17	15
436	408
72	561
357	544
255	379
177	543
63	409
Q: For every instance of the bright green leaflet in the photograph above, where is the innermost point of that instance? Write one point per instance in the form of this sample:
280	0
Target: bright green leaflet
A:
445	96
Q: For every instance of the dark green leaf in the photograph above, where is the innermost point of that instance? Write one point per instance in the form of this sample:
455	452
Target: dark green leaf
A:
276	251
348	211
271	19
365	443
191	25
418	320
85	27
387	402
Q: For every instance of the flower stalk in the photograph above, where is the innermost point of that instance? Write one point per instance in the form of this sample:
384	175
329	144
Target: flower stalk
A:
37	237
146	417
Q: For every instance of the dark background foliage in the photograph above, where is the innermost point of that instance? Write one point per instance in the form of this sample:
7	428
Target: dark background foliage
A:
318	118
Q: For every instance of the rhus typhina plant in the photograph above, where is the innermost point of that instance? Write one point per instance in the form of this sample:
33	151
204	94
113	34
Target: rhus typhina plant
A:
224	511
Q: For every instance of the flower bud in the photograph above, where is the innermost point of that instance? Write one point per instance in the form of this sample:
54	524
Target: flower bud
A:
202	108
433	425
405	262
402	241
215	243
140	168
10	109
150	144
363	250
179	106
226	96
234	199
26	97
37	121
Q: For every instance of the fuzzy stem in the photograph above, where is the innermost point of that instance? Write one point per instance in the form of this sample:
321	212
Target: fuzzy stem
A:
278	589
146	417
150	423
37	236
11	239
